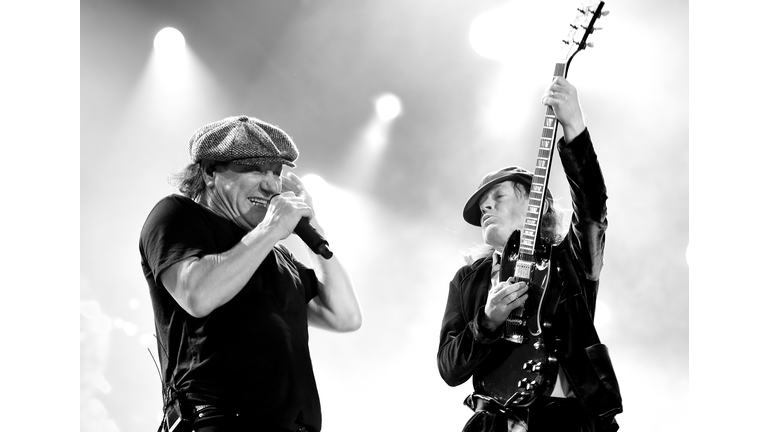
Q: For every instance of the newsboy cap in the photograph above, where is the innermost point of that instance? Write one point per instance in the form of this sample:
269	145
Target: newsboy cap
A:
243	140
515	174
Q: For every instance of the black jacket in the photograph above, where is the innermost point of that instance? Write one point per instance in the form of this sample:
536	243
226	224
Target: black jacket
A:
467	348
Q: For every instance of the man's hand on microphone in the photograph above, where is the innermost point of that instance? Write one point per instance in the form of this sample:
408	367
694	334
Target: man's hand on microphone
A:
284	212
292	183
307	229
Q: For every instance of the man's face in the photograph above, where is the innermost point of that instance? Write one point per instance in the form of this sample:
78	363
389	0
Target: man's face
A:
502	210
242	192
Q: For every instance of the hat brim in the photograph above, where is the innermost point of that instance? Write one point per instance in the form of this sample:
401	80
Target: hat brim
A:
472	209
263	161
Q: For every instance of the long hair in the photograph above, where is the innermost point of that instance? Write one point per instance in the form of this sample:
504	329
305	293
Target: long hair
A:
190	180
552	229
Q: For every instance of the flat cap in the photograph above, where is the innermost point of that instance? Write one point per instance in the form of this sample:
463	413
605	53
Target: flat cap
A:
516	174
243	140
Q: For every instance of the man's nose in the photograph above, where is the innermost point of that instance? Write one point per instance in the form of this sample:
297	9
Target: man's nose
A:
271	183
486	205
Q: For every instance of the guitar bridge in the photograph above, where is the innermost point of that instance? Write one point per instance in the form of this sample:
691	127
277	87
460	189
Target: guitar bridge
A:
515	338
514	330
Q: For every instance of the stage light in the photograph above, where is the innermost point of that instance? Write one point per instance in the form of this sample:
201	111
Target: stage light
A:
169	41
517	32
314	183
490	34
388	106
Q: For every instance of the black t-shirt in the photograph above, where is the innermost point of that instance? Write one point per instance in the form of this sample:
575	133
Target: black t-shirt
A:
251	353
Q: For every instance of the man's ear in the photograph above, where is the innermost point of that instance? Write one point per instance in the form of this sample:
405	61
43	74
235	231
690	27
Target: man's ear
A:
208	169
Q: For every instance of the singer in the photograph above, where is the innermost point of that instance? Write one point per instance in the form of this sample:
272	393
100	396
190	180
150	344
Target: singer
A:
231	306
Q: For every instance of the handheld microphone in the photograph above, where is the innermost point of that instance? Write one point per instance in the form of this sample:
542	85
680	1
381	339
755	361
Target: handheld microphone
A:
309	235
312	238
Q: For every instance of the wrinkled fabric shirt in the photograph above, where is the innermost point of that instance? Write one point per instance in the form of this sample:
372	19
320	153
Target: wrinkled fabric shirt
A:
251	353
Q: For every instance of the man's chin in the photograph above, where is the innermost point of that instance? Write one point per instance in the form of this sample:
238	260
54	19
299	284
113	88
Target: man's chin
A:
493	237
251	219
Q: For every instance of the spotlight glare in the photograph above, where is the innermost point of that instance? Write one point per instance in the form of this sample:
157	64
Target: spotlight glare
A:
490	34
388	106
314	183
169	41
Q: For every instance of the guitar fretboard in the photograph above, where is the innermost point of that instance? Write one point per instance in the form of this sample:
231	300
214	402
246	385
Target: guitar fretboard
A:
540	179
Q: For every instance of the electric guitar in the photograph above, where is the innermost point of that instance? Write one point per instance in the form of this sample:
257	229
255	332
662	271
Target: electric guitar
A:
531	368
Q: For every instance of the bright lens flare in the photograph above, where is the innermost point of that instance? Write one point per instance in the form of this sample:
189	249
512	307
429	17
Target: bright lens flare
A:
513	33
169	41
490	34
388	106
314	183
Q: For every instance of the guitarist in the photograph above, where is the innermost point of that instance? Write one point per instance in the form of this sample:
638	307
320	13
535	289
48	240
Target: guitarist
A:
585	395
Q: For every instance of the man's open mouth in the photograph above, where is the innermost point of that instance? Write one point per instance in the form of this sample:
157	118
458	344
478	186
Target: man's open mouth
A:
260	202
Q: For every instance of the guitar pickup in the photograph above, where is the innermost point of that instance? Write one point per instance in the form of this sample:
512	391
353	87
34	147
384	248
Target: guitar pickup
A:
523	269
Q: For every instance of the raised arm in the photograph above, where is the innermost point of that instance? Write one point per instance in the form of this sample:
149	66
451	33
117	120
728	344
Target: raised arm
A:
336	307
588	192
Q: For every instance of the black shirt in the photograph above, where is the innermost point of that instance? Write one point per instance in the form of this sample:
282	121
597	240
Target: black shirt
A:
251	353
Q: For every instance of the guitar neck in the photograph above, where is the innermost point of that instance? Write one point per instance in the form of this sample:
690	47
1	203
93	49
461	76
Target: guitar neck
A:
540	180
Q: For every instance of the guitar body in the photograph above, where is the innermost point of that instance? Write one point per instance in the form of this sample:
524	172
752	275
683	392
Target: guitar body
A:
531	368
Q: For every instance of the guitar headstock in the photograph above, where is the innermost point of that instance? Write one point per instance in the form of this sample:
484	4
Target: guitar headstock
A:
581	28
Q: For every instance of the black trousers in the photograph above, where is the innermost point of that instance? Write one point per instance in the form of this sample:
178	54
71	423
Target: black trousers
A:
547	414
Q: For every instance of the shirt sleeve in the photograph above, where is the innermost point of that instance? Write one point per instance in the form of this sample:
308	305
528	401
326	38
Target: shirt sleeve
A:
307	275
173	232
464	343
588	193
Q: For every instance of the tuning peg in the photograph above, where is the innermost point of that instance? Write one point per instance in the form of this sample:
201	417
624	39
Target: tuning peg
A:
590	44
596	28
604	13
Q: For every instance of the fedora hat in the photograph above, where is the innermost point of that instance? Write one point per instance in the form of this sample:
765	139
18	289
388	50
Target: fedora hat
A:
515	174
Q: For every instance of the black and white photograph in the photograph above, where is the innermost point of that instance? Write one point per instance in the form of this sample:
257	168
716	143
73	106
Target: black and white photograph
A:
306	215
410	140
